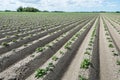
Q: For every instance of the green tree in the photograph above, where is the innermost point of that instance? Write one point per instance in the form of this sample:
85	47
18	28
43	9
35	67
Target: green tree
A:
27	9
20	9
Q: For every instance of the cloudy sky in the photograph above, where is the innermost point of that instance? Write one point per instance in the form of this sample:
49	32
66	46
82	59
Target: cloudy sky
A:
63	5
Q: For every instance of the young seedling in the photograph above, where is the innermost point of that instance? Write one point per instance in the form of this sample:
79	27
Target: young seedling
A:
118	71
51	65
48	45
5	44
89	48
82	78
67	46
73	39
110	40
85	64
30	35
32	55
113	51
87	53
91	38
61	52
115	54
4	26
111	46
13	50
40	49
24	44
55	58
93	33
18	30
40	73
7	36
77	35
57	39
118	62
105	29
16	35
21	38
107	34
42	29
14	40
90	44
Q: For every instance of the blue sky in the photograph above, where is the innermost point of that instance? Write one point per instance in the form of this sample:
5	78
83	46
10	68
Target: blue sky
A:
63	5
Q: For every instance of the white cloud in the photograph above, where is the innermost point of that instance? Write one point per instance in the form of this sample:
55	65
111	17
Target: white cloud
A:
87	3
62	5
29	1
69	4
113	4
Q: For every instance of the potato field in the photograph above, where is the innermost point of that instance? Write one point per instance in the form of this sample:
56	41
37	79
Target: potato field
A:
59	46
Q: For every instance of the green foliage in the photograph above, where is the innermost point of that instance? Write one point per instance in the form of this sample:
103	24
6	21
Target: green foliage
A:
48	45
67	46
14	40
7	36
45	11
85	64
16	35
90	44
117	11
111	46
40	73
27	9
40	49
4	26
87	53
24	44
21	38
18	30
55	58
107	34
91	38
20	9
7	10
73	39
93	33
108	38
77	34
58	11
118	62
115	54
82	78
51	65
61	52
89	48
30	35
5	44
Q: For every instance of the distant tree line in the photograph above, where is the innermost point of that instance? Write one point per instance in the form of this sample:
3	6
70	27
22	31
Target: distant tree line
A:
27	9
58	11
32	9
117	11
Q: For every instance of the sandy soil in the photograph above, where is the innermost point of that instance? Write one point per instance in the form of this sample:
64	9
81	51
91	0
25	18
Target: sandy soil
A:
72	71
114	34
107	62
